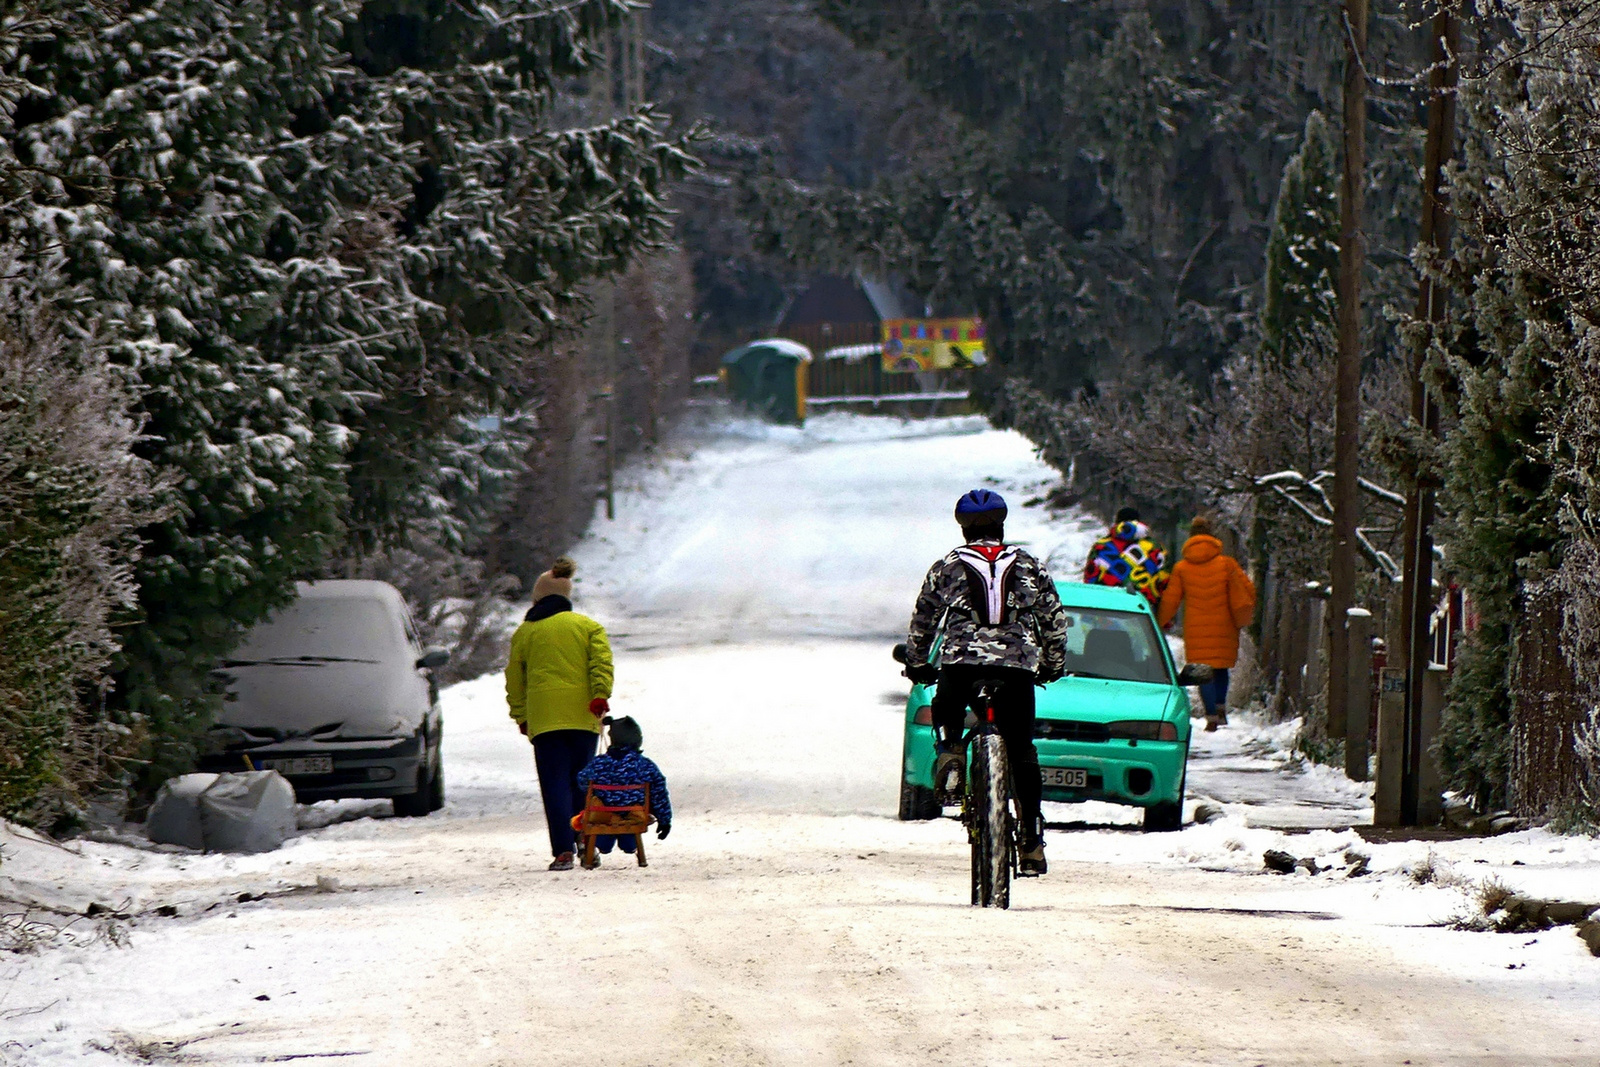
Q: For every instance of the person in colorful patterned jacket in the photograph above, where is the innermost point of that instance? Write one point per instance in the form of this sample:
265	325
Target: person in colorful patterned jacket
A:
1002	621
623	764
1127	558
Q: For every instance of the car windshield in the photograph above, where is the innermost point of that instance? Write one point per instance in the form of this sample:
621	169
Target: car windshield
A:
1120	645
325	630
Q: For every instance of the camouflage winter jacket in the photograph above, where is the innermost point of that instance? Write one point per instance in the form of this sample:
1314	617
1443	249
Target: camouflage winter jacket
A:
996	607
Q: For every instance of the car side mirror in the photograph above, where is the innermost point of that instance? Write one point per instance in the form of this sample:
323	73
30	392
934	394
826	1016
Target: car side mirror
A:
433	658
1195	674
899	654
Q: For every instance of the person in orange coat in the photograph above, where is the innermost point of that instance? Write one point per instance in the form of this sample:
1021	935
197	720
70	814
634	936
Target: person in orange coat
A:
1221	601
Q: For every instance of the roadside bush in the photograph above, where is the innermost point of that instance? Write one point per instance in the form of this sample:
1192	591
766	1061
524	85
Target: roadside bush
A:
72	493
1580	638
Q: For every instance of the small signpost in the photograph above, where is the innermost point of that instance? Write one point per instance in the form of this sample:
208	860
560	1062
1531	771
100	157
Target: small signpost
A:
1391	746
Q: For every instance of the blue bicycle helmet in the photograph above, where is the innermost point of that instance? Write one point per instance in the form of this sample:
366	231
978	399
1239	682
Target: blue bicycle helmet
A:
981	507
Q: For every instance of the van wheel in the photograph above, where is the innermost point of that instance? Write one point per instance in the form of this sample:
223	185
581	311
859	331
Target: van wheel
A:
415	804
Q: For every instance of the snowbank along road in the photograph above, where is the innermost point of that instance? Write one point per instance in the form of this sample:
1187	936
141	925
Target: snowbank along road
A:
753	584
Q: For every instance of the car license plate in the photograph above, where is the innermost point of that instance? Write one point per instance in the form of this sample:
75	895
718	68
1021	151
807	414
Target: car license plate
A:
1065	777
298	765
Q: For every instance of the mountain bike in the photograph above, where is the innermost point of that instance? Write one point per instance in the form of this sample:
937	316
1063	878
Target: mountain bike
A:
989	809
989	806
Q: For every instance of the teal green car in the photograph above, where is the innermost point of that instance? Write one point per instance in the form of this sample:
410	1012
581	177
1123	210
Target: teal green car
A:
1115	728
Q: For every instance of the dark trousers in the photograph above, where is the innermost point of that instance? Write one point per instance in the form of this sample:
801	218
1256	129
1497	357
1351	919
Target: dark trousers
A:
1214	694
559	755
1013	707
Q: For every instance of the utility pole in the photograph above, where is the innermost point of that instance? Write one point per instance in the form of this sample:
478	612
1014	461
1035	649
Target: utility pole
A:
1347	397
620	75
1417	591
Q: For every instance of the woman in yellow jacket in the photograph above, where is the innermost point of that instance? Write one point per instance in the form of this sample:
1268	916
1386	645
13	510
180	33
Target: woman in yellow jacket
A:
558	684
1220	601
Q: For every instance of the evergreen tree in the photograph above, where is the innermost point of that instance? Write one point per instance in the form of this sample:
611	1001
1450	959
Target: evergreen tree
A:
153	139
772	78
1498	367
311	269
1106	206
1285	380
1301	280
504	214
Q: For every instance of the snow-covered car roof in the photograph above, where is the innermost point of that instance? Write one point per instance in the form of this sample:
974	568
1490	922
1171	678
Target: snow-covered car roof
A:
350	589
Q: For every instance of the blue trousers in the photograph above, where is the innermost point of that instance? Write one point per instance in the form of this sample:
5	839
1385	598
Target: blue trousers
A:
559	755
1214	694
606	842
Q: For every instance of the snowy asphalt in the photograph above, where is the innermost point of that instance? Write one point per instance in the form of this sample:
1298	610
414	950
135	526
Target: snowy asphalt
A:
752	583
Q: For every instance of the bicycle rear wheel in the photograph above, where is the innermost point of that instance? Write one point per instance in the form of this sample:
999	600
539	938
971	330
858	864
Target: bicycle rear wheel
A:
991	830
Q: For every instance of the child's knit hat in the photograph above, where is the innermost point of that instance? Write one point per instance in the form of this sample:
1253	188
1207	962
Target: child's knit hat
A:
625	733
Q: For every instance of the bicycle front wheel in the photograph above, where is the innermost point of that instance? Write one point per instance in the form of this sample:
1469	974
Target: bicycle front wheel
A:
992	836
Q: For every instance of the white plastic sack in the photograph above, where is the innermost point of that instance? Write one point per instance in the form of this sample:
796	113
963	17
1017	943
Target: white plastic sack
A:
175	816
249	811
252	811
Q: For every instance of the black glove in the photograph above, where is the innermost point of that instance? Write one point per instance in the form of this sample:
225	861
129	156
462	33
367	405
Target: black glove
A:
922	673
663	828
1047	675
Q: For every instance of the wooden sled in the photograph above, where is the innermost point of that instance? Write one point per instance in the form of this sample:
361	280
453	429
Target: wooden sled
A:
599	819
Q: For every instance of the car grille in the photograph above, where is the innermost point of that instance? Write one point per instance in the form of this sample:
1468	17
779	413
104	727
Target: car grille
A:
1070	730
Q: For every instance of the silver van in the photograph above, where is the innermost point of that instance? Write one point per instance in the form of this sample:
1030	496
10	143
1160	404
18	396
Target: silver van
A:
335	693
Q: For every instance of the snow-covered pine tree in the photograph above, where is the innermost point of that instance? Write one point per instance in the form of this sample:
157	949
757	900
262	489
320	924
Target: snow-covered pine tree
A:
151	138
1548	211
276	237
506	214
1282	383
1303	243
1498	372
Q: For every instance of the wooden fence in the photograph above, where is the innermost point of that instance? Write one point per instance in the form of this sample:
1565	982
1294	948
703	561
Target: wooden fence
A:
860	381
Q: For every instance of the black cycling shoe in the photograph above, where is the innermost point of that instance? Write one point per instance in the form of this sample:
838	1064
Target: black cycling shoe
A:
1031	863
949	773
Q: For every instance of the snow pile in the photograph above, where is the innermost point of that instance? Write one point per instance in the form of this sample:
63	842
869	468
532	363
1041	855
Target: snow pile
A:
1251	770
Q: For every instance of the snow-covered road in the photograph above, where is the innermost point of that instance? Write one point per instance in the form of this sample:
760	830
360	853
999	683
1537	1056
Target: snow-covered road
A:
753	583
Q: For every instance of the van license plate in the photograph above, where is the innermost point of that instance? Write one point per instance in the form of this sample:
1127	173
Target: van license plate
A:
299	765
1065	777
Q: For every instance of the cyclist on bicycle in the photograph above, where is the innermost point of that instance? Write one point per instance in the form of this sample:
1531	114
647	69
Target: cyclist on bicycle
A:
1003	623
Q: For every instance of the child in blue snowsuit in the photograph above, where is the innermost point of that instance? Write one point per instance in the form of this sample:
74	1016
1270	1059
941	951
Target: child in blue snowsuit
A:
623	764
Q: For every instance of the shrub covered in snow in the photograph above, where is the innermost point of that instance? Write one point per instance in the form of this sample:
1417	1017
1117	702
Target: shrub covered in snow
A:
1580	580
72	494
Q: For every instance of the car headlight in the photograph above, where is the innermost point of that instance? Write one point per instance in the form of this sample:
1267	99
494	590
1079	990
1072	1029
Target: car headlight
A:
1143	730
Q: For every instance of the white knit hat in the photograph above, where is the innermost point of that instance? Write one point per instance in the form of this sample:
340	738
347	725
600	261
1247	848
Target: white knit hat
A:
557	581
